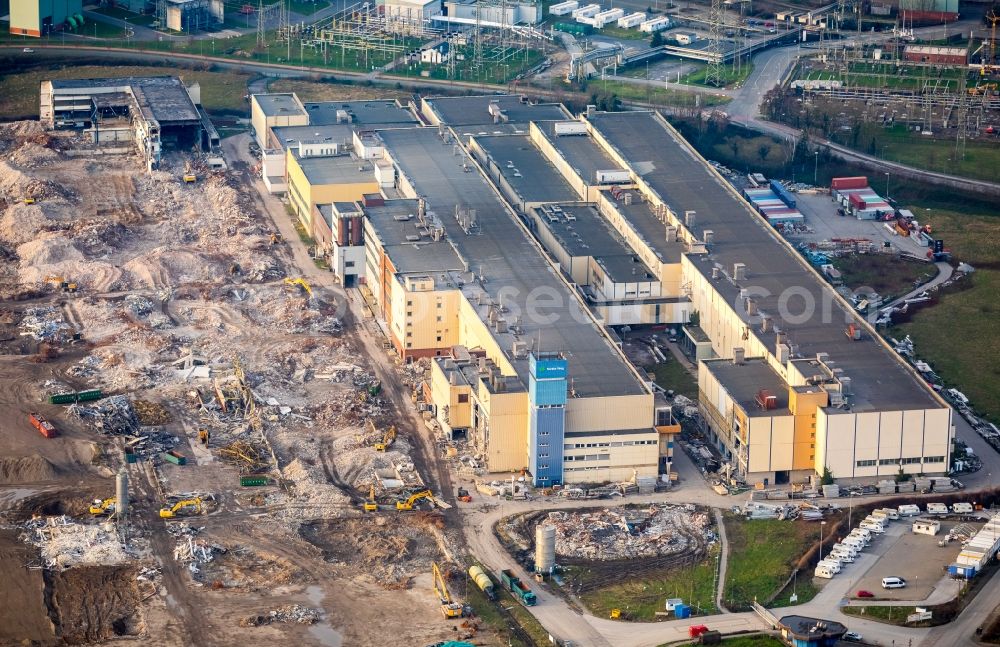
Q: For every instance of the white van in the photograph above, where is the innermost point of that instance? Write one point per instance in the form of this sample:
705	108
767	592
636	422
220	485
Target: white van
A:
863	533
857	536
893	583
831	564
908	510
872	526
937	508
842	555
962	508
824	572
891	513
880	515
844	547
874	519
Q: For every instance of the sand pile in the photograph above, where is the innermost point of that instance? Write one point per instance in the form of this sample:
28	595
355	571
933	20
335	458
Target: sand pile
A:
48	249
32	155
30	469
19	131
15	185
164	266
22	223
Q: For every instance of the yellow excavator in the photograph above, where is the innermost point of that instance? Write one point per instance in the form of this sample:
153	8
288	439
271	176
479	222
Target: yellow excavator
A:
387	439
408	504
189	177
107	506
169	512
61	283
371	505
302	283
449	607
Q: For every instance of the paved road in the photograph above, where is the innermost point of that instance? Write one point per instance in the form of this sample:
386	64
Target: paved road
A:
944	273
720	588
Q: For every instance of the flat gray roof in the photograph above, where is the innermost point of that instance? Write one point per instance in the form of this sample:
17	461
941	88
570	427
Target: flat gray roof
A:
288	135
581	152
684	182
163	98
582	231
396	225
467	111
509	261
743	381
363	113
335	169
526	170
274	105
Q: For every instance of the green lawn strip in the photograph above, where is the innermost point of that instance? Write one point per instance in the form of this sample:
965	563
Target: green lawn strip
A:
672	375
220	91
889	275
654	94
304	8
494	617
639	597
756	640
762	554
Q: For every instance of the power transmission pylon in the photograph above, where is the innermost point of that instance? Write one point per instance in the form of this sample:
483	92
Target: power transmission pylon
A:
261	41
714	73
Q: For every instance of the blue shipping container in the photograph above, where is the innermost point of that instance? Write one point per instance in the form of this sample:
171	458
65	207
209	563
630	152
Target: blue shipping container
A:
782	193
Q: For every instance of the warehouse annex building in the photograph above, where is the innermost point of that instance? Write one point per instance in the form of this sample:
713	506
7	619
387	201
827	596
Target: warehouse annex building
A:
152	113
616	220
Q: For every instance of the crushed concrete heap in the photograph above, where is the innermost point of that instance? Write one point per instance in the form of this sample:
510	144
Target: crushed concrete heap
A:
656	530
64	543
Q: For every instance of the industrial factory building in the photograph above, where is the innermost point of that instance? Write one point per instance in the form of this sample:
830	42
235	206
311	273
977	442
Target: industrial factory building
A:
608	219
150	113
40	17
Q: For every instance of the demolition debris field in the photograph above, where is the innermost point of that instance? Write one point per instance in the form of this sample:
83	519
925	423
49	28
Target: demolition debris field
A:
171	299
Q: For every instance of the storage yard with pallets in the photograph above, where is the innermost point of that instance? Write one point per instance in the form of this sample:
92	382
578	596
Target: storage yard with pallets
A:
242	411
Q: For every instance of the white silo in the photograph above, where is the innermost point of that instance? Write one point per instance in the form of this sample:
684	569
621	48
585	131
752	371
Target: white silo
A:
545	548
121	494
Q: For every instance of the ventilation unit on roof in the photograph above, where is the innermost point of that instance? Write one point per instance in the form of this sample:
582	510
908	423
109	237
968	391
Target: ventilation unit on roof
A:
739	355
739	271
413	238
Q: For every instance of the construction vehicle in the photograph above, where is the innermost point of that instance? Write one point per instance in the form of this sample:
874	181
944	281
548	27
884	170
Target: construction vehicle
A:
275	238
188	176
408	504
449	608
464	496
302	283
29	201
483	581
203	436
107	506
62	283
387	439
169	512
371	505
518	588
615	614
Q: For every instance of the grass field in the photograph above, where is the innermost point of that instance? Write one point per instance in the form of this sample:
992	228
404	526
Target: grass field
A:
672	375
464	70
653	94
306	8
958	336
320	91
730	76
220	91
981	160
762	554
640	597
887	274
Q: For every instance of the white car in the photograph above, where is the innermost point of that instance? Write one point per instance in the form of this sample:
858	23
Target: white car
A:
28	50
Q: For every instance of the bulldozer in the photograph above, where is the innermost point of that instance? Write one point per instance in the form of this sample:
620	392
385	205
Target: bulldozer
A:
62	283
169	512
105	506
409	503
449	608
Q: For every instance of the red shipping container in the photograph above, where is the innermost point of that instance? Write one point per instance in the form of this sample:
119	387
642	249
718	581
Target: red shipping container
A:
842	183
43	426
857	201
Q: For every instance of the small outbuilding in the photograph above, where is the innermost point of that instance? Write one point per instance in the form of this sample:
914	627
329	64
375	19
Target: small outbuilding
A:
926	527
802	631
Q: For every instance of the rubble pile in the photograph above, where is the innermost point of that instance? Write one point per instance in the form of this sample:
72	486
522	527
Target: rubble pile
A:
63	543
46	323
624	533
288	613
114	416
191	550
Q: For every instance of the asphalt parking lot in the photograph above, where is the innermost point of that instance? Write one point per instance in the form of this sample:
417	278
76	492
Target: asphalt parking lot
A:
916	558
821	216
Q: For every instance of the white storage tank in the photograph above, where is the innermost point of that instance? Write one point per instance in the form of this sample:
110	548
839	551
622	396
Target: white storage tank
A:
545	548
